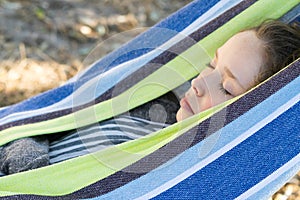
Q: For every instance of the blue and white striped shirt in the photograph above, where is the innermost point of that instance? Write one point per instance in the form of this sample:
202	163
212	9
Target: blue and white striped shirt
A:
101	135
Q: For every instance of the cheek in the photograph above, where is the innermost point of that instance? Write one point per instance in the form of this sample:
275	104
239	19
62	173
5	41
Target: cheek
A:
206	104
220	99
216	98
201	104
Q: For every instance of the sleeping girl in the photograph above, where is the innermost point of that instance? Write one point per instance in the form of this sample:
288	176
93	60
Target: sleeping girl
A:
246	59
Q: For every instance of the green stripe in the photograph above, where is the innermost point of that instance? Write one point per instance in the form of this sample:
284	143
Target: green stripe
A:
71	175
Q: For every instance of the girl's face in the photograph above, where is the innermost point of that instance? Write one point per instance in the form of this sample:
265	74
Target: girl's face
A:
232	72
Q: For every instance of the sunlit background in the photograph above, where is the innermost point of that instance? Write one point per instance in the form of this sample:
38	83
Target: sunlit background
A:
45	43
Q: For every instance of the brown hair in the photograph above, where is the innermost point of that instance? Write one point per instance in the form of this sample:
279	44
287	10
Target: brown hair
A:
281	45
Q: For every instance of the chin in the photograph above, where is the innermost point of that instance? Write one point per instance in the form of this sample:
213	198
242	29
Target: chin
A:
182	114
178	117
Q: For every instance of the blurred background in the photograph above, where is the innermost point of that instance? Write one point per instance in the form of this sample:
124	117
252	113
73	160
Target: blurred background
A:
45	43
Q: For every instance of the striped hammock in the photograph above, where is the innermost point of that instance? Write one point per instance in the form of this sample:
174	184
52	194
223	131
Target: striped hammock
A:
245	148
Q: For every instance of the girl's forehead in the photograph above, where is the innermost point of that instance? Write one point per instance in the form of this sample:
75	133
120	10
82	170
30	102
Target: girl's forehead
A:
242	54
245	39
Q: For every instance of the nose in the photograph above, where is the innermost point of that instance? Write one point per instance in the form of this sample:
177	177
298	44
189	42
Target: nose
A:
206	83
199	85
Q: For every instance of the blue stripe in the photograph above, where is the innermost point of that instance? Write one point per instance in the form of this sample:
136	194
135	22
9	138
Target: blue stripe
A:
151	39
269	190
179	164
246	164
293	15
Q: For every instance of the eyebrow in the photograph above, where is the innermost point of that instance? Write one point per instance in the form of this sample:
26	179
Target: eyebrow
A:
229	73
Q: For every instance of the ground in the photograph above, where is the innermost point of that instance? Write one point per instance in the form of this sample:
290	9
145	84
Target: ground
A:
44	43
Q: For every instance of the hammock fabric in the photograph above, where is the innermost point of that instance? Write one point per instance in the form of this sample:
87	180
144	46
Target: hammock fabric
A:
244	148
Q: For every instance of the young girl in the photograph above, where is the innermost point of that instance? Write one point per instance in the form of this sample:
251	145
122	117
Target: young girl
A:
246	59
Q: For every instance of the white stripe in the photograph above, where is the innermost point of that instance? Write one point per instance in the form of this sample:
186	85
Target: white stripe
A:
98	131
130	118
90	136
270	178
67	102
65	157
66	149
134	131
83	143
77	147
62	139
222	151
93	132
134	128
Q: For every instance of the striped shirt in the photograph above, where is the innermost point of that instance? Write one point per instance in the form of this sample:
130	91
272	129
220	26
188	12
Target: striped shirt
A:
101	135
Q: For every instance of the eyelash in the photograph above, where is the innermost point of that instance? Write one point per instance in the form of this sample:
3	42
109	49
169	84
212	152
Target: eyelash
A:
221	86
223	90
209	66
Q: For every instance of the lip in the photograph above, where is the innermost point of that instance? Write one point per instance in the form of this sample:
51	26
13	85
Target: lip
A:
185	104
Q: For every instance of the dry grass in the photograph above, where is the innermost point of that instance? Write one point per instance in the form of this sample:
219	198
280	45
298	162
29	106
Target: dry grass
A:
21	79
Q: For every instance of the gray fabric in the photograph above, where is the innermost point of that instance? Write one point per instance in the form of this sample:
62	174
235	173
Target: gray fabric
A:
162	109
24	154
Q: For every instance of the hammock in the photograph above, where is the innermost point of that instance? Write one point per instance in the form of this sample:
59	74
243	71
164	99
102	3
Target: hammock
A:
244	148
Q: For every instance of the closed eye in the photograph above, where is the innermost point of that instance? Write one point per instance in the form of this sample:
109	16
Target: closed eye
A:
223	90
